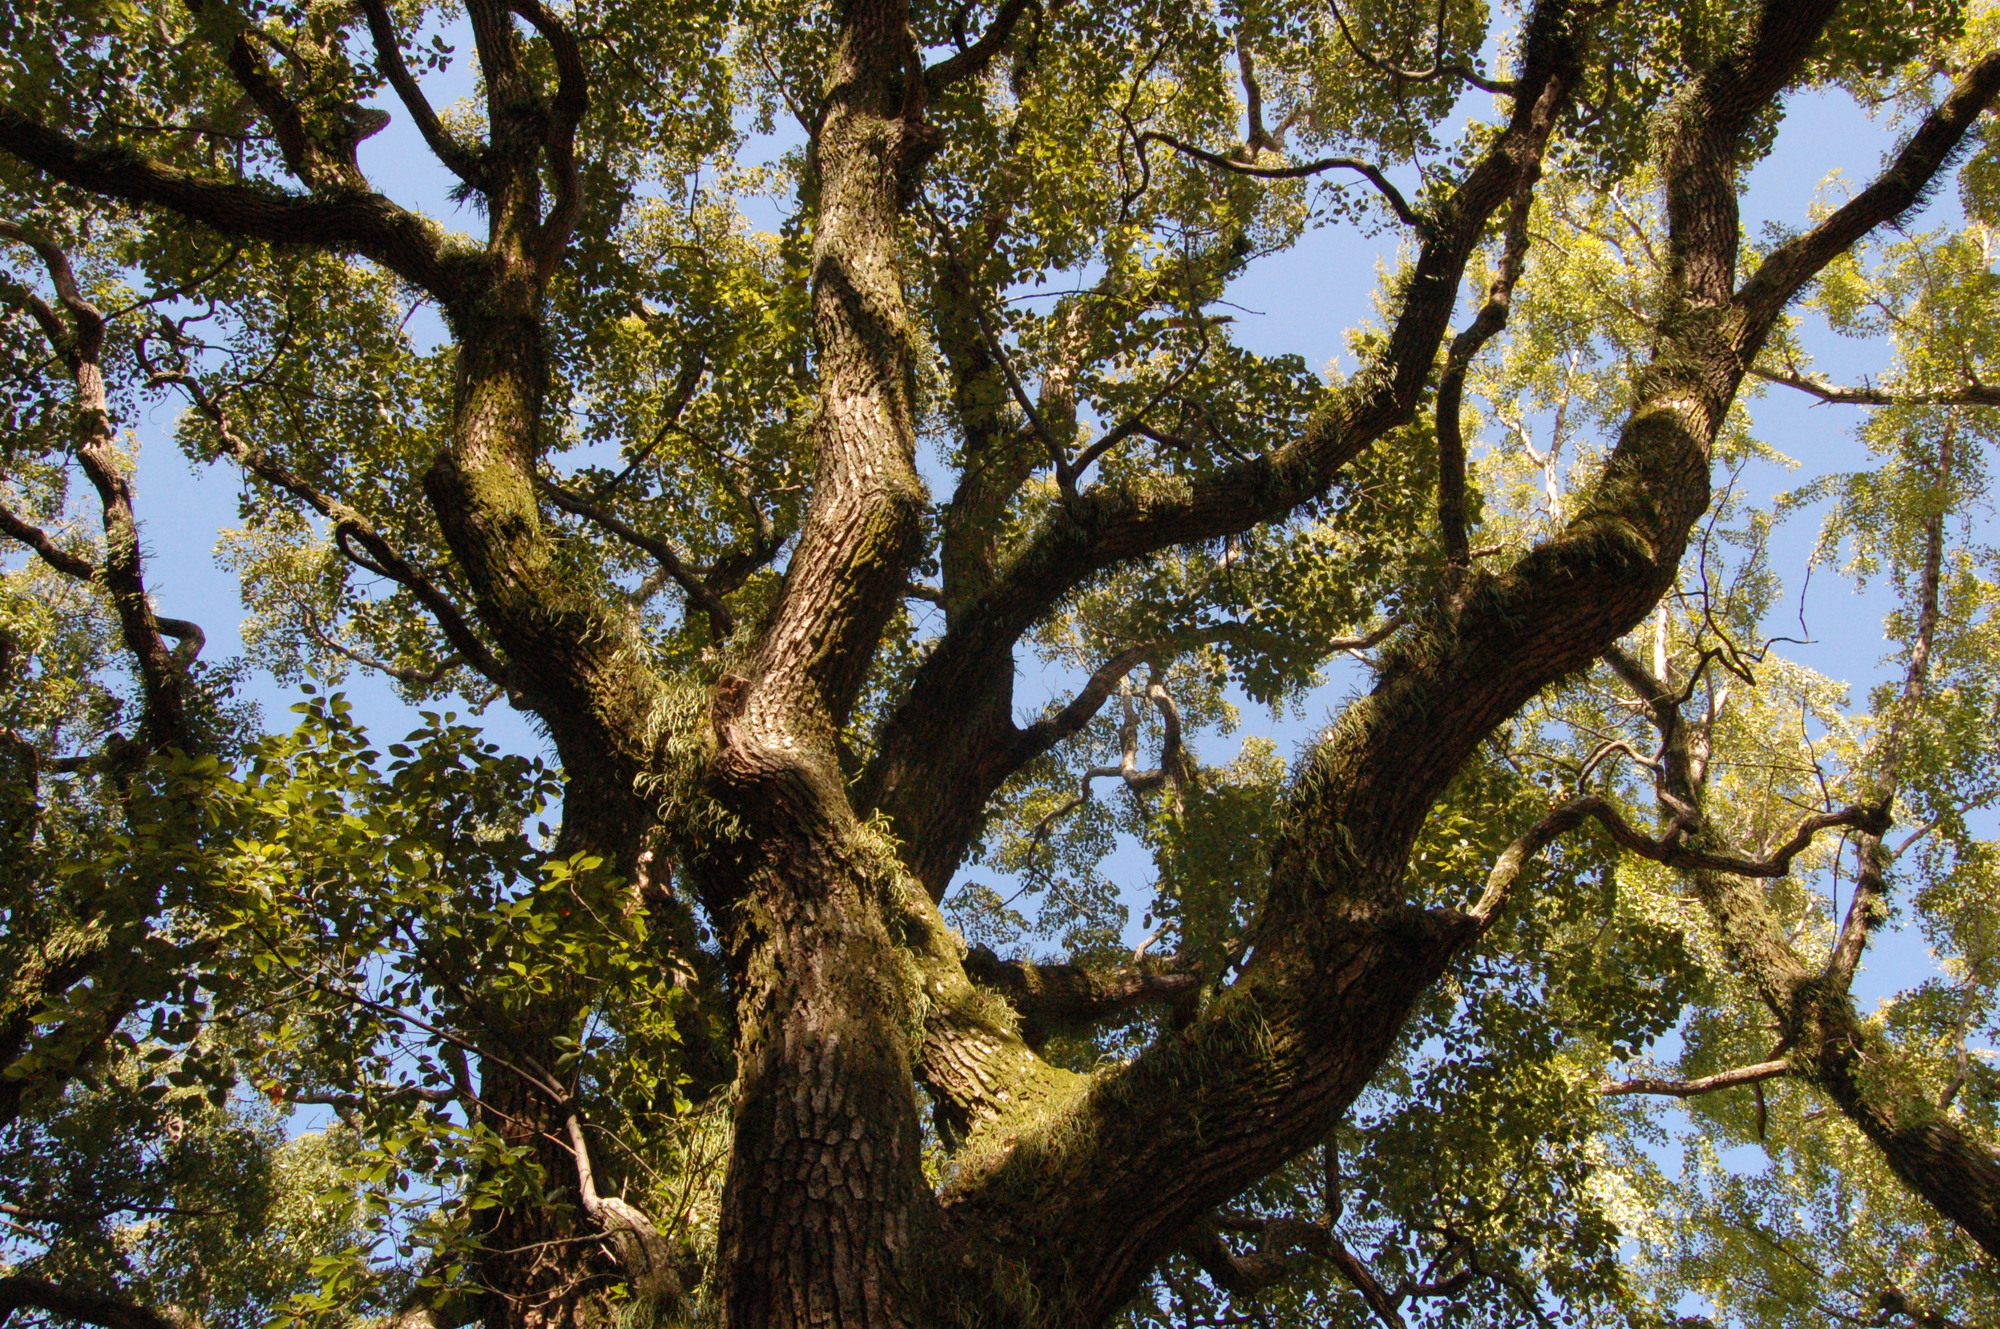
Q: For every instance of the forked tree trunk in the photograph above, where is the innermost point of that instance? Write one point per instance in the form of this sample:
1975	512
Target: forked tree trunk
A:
826	1213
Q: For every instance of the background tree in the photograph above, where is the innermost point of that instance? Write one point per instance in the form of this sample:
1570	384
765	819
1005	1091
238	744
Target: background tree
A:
706	1012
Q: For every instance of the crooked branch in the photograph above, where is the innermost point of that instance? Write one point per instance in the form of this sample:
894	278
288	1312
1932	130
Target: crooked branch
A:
1668	849
1050	997
1366	170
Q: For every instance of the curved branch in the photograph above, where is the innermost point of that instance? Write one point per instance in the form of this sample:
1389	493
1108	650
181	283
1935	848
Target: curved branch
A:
79	343
721	621
1866	908
86	339
1499	87
70	565
1045	733
1366	170
1668	849
641	1250
409	677
974	59
460	160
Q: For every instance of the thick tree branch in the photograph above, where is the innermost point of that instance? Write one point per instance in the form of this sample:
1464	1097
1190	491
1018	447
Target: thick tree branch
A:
344	221
1763	1070
1941	135
85	339
1892	1302
815	923
78	340
1702	139
18	1292
1053	998
566	111
1340	953
1284	1247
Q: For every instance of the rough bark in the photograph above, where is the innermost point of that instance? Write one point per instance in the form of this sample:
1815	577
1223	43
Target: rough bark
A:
826	1216
1086	1197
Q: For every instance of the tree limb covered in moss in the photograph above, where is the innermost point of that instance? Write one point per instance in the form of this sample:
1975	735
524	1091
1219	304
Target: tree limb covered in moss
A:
1052	998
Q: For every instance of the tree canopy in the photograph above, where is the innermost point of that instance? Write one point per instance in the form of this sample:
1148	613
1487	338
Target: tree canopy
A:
790	382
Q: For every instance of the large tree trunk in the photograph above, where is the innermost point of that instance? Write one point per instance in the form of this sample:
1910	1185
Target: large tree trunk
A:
537	1268
826	1209
826	1212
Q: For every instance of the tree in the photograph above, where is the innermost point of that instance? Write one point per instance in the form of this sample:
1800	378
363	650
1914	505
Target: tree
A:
757	528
